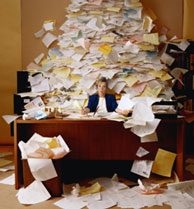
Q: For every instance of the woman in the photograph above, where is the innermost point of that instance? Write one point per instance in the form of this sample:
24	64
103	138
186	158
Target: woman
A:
103	102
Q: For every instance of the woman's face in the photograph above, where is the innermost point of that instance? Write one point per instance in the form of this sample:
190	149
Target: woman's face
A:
101	89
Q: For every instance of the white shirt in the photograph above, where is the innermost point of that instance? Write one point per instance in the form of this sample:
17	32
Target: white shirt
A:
102	105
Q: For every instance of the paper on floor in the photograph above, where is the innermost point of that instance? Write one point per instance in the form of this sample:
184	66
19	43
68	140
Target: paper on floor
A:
34	193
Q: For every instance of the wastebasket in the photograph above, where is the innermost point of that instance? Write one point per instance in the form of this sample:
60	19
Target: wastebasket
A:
54	185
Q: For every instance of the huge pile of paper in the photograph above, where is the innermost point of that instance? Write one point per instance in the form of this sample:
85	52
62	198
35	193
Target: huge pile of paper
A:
106	38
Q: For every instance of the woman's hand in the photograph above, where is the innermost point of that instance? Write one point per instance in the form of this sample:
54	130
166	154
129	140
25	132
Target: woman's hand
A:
123	112
85	111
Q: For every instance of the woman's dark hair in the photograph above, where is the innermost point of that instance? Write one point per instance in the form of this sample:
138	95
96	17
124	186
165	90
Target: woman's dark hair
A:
102	79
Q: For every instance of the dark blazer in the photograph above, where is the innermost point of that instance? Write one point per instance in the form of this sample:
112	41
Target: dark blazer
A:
111	103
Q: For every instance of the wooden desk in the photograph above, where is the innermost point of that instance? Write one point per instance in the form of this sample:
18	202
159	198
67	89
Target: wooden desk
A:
100	140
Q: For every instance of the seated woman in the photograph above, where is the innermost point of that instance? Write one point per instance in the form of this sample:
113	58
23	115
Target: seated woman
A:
103	102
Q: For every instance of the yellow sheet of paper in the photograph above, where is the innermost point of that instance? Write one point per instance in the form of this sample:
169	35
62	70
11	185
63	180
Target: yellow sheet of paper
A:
90	190
157	74
96	12
99	65
151	92
4	162
113	9
74	93
166	77
76	14
151	38
105	49
131	80
163	163
109	39
53	143
62	72
147	23
136	4
68	61
145	47
75	78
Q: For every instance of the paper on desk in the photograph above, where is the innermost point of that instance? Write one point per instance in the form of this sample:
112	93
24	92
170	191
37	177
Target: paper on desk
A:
10	118
163	163
149	138
108	73
125	103
62	72
48	39
142	112
115	117
48	25
177	72
43	86
39	33
38	58
148	129
131	80
152	92
147	24
167	59
132	48
35	103
142	167
34	193
35	79
151	38
10	180
95	2
141	152
42	169
119	87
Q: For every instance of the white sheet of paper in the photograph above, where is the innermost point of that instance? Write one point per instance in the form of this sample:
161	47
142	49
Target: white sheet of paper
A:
141	152
185	186
125	103
183	45
42	169
48	39
108	203
39	58
142	167
87	83
48	26
35	103
10	180
167	59
39	33
108	73
10	118
71	202
43	86
149	138
142	112
119	87
148	129
34	193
